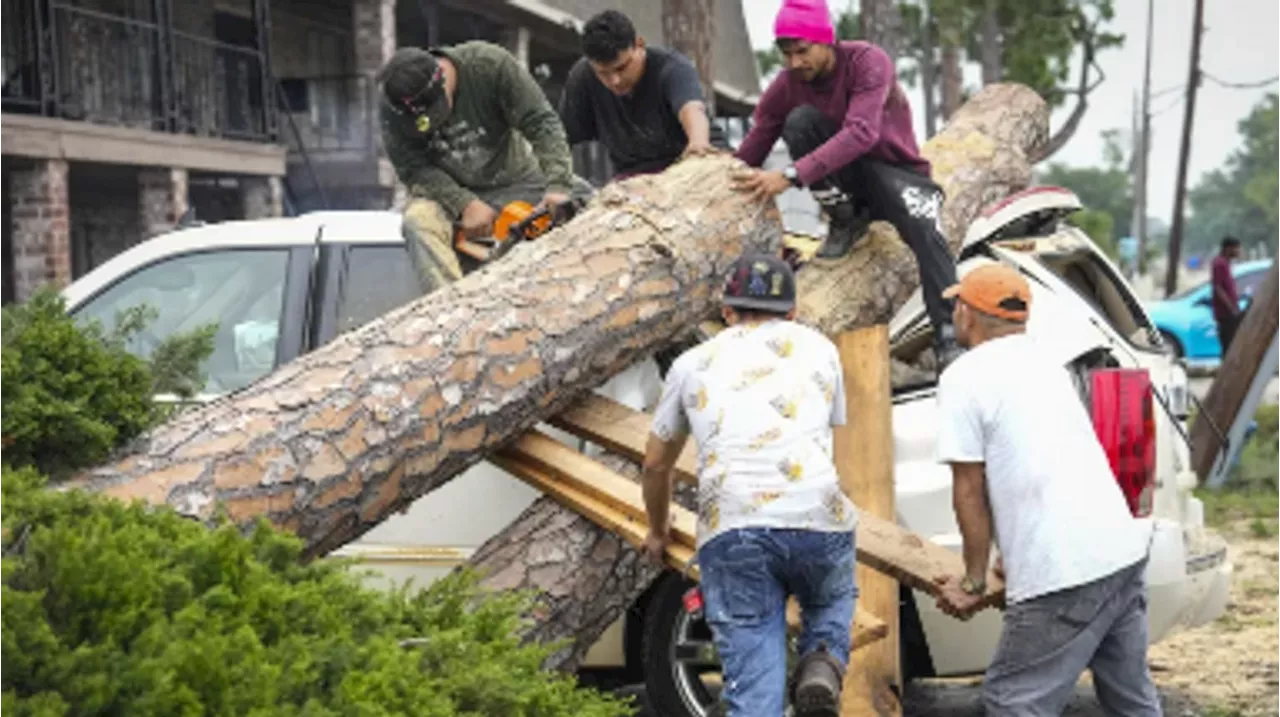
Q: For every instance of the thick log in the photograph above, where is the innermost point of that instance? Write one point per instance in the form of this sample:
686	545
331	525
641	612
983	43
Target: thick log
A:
978	158
331	444
339	439
1239	366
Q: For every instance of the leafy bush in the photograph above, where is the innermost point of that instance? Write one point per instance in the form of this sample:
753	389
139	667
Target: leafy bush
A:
113	609
72	393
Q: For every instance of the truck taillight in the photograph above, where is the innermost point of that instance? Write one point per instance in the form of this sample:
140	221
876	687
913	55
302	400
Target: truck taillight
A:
1124	419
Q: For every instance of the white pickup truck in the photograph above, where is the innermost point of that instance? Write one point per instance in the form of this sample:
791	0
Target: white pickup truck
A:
281	287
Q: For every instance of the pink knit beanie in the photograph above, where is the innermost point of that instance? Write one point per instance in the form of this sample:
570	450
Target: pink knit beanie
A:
807	20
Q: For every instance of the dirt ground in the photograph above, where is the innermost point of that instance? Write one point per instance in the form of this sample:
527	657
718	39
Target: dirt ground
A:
1225	669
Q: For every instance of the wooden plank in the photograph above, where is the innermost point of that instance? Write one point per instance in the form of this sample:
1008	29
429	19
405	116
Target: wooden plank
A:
883	545
864	459
547	472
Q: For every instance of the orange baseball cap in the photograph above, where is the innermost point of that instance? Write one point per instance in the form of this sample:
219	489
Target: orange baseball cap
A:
994	289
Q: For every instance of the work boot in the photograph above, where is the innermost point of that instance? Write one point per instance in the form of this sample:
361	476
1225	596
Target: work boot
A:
816	685
845	226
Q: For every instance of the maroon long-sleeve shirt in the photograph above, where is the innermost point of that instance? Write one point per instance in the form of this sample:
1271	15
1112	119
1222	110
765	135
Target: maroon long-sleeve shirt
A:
862	96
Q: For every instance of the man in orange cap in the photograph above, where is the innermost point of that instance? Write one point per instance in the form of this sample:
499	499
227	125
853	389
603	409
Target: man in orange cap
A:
1030	473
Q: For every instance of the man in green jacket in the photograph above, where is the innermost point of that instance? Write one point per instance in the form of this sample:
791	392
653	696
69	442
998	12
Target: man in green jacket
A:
468	131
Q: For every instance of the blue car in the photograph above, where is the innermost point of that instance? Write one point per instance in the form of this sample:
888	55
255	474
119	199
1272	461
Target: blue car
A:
1186	320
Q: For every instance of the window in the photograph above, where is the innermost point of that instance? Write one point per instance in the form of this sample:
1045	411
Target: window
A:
1105	291
242	291
379	279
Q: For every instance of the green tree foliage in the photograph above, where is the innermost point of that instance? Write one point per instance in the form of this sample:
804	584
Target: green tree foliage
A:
1098	225
72	393
1106	193
114	609
1240	197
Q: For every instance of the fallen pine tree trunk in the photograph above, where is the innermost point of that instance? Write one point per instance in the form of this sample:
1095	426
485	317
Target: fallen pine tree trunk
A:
979	158
331	444
336	441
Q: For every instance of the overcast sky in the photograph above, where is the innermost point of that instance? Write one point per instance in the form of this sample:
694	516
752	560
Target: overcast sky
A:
1240	45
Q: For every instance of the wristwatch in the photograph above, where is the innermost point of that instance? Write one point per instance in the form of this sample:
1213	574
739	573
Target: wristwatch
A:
792	176
973	587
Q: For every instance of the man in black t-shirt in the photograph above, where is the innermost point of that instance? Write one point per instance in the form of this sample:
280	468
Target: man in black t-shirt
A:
644	104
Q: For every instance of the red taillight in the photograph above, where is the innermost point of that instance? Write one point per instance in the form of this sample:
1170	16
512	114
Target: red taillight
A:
1124	419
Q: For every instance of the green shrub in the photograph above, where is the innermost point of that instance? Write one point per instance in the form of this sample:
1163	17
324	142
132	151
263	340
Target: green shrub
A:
71	391
112	609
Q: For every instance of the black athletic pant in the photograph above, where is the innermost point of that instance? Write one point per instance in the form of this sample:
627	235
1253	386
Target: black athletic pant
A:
908	200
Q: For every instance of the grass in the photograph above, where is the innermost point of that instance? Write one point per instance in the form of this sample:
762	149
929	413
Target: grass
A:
1250	493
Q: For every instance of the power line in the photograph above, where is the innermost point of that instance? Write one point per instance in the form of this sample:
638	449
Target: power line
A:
1240	85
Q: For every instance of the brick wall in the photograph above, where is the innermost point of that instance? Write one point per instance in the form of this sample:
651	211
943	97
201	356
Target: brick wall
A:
162	199
375	33
39	218
104	213
261	197
5	236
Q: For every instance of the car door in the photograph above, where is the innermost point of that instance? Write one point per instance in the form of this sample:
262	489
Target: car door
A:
255	297
359	282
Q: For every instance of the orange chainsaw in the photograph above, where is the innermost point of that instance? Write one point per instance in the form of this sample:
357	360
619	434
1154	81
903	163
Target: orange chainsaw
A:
517	222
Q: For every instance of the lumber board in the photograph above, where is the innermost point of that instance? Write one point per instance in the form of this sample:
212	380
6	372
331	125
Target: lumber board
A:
547	465
882	544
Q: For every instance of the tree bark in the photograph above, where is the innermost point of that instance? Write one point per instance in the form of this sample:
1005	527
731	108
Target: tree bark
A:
882	25
979	157
688	27
952	77
336	441
992	52
928	75
331	444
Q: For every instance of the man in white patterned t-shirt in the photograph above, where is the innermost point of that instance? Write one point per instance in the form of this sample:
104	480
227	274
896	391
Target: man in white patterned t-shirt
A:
760	400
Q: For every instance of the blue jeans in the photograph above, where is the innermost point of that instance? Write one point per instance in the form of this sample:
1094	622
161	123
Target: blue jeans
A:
747	575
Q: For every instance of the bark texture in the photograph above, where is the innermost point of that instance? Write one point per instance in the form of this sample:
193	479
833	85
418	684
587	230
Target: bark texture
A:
978	158
331	444
688	27
882	24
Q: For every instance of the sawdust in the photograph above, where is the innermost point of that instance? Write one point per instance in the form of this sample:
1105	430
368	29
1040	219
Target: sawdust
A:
1230	665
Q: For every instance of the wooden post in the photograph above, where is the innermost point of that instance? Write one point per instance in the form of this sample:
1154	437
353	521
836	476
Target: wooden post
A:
864	457
1239	366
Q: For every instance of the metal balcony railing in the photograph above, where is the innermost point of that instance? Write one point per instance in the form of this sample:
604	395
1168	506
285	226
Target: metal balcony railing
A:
71	62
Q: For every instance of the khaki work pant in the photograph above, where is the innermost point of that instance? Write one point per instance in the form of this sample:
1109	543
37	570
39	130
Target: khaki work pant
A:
428	230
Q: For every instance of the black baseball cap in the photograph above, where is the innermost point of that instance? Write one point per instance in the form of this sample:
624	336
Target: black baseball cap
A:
413	83
760	282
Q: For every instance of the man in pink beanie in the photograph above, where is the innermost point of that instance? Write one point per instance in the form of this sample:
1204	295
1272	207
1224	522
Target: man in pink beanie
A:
847	126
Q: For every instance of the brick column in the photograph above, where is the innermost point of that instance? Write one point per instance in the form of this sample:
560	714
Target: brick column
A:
41	225
162	199
261	197
374	22
375	33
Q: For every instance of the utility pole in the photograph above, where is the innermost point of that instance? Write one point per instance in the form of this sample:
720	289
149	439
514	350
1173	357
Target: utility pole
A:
1144	149
1184	155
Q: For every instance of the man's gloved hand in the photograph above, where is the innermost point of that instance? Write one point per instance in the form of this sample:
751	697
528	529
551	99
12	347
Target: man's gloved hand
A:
477	219
551	200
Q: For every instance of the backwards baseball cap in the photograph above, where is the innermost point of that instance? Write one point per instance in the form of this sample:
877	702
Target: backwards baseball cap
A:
760	282
995	290
413	83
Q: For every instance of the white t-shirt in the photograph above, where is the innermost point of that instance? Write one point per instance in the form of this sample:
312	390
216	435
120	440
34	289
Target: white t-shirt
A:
760	401
1059	516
